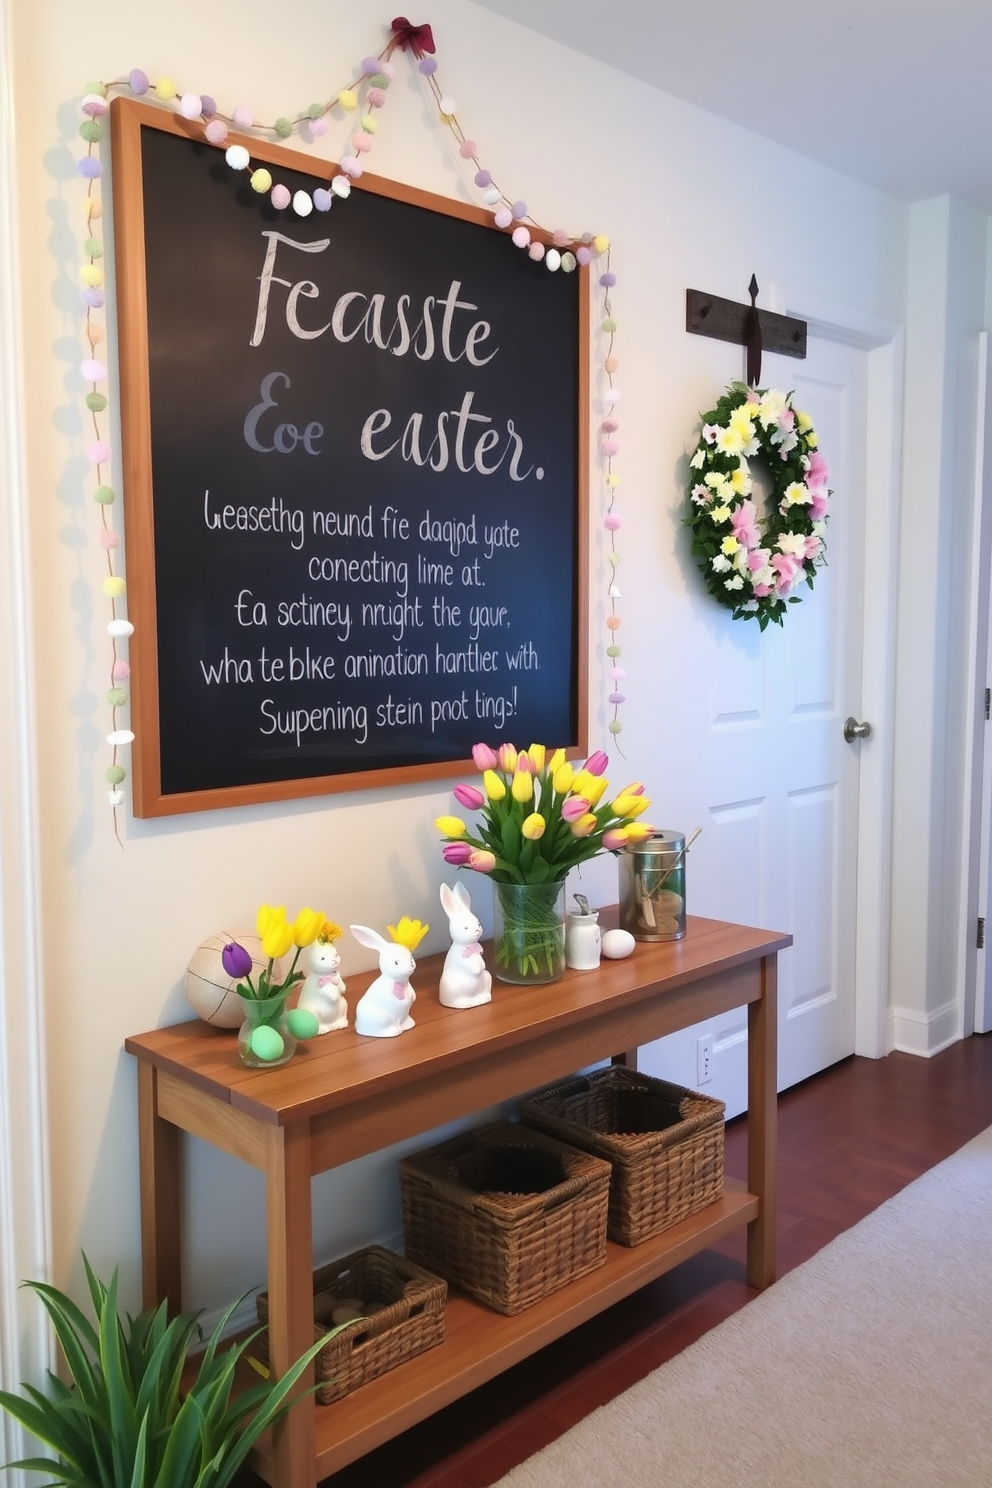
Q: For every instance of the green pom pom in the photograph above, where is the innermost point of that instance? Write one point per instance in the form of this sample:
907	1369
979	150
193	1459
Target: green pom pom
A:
609	324
115	774
315	110
96	402
93	248
613	651
613	559
91	131
616	727
117	697
99	88
379	80
104	494
284	127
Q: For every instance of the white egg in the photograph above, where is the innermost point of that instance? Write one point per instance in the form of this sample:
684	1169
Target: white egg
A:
617	944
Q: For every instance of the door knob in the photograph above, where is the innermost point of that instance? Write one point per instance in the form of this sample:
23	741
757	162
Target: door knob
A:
855	730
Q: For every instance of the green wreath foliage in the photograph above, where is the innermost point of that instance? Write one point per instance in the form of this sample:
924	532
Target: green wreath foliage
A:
752	564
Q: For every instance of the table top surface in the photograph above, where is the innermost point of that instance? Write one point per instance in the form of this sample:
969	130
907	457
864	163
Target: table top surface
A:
333	1068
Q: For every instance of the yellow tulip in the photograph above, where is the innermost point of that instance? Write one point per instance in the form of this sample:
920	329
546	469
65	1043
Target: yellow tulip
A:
564	775
450	826
493	786
595	789
585	825
533	826
307	927
277	938
639	831
408	932
537	753
580	781
556	761
266	914
523	786
630	806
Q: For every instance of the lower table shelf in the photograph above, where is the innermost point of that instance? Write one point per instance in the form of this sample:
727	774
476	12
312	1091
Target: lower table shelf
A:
479	1344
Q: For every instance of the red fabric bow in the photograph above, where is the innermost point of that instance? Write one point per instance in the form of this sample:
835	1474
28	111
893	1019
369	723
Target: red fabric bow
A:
419	39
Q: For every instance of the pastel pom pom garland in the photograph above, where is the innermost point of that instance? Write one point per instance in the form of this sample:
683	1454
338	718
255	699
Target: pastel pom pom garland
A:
753	564
363	97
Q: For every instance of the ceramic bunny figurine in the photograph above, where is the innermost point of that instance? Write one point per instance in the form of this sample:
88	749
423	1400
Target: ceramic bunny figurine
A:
384	1010
323	991
465	982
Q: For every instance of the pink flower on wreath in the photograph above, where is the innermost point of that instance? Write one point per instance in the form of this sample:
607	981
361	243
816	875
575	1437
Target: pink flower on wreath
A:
818	505
813	546
757	560
817	474
787	569
743	520
761	591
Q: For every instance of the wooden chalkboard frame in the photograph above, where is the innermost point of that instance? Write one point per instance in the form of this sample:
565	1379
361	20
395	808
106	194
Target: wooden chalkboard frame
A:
128	119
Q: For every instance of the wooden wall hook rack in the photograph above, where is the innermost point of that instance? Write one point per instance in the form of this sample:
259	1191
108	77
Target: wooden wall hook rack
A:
745	325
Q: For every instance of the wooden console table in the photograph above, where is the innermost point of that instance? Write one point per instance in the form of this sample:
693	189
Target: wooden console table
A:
344	1096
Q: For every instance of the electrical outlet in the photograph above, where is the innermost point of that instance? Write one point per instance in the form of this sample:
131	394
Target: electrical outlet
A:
704	1059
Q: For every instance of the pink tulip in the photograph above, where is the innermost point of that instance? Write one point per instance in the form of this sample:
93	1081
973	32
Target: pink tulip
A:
615	838
484	757
573	808
597	763
506	757
456	853
482	861
469	796
525	765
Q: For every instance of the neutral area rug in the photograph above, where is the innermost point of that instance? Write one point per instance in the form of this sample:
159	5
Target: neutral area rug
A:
870	1364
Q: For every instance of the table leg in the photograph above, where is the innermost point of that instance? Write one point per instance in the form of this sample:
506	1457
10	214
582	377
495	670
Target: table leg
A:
160	1174
762	1129
290	1278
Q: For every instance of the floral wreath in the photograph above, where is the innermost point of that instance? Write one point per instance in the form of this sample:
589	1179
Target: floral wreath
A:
752	564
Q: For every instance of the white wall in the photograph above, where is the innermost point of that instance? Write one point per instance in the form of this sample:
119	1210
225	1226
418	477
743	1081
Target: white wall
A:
687	200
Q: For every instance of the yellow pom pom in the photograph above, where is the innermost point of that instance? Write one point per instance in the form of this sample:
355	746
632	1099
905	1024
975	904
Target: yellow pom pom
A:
347	98
165	89
94	206
261	180
600	243
113	587
369	124
612	480
91	276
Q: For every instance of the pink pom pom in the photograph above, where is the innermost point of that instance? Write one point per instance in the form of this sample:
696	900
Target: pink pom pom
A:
503	217
467	149
583	256
109	538
536	251
376	97
610	425
613	622
560	237
243	117
610	446
280	197
618	673
611	522
92	370
121	671
98	452
361	141
521	237
216	131
318	127
351	167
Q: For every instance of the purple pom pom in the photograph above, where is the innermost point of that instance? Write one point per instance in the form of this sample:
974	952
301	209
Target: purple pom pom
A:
583	256
89	167
483	178
607	280
370	66
617	697
93	297
519	209
208	106
137	81
428	66
322	199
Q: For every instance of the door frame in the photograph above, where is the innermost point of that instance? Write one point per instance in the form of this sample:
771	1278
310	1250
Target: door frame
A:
972	981
884	341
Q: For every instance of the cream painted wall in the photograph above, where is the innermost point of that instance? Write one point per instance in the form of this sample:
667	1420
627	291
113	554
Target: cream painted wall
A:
687	200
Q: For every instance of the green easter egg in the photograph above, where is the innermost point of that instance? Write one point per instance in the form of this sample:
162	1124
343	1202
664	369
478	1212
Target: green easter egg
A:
302	1024
265	1043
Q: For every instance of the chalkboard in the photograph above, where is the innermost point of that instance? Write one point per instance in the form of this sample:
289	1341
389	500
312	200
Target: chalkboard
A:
354	479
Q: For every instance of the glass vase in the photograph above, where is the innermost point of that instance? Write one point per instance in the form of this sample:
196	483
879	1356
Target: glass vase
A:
264	1040
529	932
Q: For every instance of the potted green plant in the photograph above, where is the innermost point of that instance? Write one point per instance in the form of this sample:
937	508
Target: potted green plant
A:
128	1419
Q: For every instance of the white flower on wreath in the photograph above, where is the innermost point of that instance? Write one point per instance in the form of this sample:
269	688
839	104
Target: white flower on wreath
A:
698	460
720	514
796	494
794	543
720	564
717	480
709	433
730	441
740	480
735	583
771	405
702	495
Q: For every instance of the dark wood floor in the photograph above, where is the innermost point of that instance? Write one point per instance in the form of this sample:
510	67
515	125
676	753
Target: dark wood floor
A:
848	1140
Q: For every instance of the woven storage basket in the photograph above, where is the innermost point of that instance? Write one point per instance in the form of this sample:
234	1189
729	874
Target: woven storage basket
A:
665	1144
410	1318
506	1213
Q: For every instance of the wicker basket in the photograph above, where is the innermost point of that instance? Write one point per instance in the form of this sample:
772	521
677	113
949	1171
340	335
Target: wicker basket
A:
505	1213
409	1318
665	1144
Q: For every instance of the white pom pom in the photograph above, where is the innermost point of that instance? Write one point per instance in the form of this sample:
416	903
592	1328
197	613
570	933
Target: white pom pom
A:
302	203
237	157
447	105
341	186
120	736
118	628
553	259
191	105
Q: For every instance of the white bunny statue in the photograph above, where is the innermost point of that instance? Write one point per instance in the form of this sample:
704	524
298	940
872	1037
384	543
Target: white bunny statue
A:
323	991
465	982
384	1010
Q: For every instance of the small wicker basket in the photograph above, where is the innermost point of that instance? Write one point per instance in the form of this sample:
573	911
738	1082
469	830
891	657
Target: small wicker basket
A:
664	1142
408	1318
505	1213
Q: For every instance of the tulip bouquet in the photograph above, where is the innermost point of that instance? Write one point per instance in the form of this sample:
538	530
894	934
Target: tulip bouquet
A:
540	817
269	1033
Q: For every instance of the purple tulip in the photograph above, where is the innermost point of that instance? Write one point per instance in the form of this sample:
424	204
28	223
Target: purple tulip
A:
456	853
469	796
237	962
597	763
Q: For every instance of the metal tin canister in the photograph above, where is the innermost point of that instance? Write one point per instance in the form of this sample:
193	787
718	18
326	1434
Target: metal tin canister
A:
652	887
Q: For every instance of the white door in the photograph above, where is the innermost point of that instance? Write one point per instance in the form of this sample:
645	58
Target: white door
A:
765	760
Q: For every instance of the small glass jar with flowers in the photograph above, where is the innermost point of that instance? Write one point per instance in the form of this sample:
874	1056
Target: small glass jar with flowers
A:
540	816
270	1031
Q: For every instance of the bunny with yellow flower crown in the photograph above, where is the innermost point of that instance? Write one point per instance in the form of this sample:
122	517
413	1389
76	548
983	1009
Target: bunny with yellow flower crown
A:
384	1010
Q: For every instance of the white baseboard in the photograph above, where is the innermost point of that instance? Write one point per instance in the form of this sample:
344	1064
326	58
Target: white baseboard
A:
925	1034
